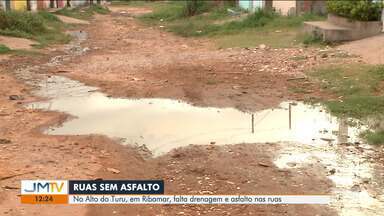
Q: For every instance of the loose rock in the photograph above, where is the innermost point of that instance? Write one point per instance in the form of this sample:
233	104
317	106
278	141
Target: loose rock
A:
16	97
5	141
112	170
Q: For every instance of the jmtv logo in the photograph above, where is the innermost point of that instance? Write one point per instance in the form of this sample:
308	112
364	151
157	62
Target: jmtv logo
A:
44	187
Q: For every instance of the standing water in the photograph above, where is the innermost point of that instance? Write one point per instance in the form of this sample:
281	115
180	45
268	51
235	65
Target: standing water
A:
308	135
164	124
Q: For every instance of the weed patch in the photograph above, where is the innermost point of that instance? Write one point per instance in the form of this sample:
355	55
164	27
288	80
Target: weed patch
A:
4	49
42	26
229	29
359	88
85	13
374	137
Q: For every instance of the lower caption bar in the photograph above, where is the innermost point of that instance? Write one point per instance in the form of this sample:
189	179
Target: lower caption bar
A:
173	199
197	199
45	199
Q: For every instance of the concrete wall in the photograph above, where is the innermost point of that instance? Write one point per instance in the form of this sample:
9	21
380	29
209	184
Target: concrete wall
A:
33	5
20	5
359	29
284	7
2	4
342	29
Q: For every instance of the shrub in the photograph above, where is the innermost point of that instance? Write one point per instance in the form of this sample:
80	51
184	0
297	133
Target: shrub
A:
85	12
194	7
27	23
363	10
374	137
4	49
44	27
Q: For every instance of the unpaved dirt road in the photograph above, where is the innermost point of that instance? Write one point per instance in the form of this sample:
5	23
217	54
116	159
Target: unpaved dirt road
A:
130	60
370	49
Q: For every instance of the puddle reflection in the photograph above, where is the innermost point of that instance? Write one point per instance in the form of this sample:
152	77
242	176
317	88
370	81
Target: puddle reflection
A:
163	124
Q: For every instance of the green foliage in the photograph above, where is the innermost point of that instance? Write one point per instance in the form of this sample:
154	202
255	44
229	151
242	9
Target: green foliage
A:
42	26
359	107
4	49
349	80
194	7
45	15
363	10
259	20
23	22
374	137
309	39
168	11
262	26
358	85
85	12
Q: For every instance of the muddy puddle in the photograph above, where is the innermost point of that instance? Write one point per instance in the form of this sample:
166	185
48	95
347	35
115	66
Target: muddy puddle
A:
164	124
308	135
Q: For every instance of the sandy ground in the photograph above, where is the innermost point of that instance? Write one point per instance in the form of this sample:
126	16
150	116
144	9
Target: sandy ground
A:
130	60
146	62
71	20
16	43
371	49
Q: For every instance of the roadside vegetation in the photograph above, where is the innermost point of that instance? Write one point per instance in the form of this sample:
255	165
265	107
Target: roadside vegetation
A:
43	27
360	92
229	25
356	10
4	49
84	13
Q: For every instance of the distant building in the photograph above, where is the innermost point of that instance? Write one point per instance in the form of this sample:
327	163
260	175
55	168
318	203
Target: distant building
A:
252	5
285	7
34	5
14	5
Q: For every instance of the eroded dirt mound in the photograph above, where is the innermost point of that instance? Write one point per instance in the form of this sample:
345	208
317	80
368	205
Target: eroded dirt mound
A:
16	43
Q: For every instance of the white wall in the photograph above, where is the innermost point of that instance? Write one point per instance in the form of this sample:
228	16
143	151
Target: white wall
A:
76	3
33	5
284	7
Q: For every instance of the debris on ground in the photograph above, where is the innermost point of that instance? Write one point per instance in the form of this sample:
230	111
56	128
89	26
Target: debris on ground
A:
16	97
113	170
5	141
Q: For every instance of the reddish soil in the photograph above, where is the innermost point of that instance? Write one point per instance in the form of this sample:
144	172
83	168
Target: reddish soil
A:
16	43
367	49
130	60
146	62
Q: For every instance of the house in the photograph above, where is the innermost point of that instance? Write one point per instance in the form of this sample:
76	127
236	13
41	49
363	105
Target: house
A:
14	5
253	5
285	7
296	7
34	5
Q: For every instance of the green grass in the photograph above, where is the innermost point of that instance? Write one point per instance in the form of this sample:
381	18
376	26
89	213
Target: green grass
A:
84	13
4	49
263	21
359	107
312	40
261	27
134	3
42	26
359	88
351	80
374	137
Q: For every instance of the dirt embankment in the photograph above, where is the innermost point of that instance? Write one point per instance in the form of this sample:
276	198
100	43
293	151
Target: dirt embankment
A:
130	60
